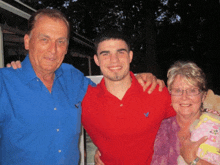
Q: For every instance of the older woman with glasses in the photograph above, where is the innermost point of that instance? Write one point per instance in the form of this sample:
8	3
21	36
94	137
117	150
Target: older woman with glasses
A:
187	86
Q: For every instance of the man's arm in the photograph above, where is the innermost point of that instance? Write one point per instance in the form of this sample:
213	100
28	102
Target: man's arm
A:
14	64
97	158
145	79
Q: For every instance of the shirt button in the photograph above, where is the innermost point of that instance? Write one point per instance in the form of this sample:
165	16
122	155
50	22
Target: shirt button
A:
37	79
121	105
59	151
55	109
58	130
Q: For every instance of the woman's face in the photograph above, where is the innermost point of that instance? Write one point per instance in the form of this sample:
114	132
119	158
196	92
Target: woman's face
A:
186	106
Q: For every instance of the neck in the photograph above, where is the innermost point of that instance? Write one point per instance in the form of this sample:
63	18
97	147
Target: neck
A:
47	79
185	122
118	88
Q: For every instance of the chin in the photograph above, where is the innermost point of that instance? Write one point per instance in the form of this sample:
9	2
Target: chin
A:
186	112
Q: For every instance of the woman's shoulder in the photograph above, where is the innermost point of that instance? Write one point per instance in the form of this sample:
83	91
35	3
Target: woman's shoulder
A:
169	126
169	121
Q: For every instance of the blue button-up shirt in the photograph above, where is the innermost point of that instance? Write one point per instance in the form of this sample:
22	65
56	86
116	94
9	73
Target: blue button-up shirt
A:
38	127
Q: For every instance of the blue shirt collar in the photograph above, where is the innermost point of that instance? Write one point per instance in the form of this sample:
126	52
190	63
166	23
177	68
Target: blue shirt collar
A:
29	73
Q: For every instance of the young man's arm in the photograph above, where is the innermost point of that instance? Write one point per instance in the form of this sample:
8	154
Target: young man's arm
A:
14	64
97	158
145	79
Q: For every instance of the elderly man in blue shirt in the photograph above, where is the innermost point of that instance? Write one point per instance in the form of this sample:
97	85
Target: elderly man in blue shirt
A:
40	103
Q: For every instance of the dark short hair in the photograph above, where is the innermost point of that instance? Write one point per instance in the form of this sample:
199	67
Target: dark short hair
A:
111	34
51	13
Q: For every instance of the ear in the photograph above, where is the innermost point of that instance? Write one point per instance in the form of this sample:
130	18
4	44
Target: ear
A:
96	60
66	50
26	41
204	96
131	56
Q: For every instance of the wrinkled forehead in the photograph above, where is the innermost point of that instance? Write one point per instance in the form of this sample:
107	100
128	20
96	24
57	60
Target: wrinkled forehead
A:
46	21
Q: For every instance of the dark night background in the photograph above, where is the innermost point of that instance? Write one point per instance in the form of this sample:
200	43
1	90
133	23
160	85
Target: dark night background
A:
161	31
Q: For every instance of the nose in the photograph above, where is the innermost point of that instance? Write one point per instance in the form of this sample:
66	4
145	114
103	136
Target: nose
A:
52	47
184	95
114	57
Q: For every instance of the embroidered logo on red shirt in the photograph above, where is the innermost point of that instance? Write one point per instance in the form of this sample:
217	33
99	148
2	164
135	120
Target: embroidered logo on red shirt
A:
146	114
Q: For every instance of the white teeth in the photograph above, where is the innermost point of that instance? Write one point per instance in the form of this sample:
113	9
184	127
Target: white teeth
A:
185	105
115	68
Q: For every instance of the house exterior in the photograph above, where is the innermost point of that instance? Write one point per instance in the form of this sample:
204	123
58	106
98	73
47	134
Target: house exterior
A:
14	17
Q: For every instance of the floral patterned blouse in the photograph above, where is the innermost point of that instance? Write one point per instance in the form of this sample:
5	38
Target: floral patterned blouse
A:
167	145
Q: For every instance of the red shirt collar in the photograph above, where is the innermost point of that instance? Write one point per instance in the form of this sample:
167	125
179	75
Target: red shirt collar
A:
135	86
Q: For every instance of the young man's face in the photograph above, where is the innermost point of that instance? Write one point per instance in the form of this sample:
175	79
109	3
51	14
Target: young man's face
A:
47	44
114	58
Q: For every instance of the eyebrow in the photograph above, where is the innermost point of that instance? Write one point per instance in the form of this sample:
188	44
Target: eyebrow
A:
122	50
62	38
103	52
106	51
44	35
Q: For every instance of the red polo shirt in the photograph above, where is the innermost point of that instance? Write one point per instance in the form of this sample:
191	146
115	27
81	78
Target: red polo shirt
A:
124	130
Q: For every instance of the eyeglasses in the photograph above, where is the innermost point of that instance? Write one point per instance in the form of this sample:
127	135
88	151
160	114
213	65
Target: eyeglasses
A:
189	92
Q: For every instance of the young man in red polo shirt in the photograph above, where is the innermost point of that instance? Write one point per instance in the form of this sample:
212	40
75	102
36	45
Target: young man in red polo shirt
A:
122	119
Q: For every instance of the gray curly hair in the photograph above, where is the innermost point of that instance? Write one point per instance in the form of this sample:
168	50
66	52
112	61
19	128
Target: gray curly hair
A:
190	71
